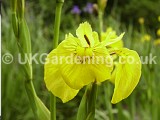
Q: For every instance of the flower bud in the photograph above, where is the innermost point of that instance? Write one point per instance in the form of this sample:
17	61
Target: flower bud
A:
141	20
158	32
159	18
102	4
157	42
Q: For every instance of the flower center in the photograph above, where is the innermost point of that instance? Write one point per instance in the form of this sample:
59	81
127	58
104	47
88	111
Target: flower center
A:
81	51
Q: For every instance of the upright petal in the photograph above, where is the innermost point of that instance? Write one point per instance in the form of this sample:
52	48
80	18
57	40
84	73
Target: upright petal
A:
68	35
96	38
84	33
109	40
128	74
68	46
54	80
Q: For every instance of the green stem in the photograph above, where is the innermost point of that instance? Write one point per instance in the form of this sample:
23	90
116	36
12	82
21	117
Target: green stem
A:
100	16
92	101
92	98
53	106
154	108
59	4
14	5
133	106
20	7
108	104
120	111
83	110
22	34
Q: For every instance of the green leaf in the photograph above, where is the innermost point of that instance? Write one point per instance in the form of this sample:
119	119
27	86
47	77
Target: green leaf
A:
90	116
42	111
82	110
86	109
39	109
15	24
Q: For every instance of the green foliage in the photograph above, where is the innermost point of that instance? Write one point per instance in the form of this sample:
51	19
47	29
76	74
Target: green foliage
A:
131	10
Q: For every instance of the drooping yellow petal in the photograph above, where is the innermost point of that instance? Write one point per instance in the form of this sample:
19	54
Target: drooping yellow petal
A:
54	80
113	74
128	73
84	33
76	74
103	64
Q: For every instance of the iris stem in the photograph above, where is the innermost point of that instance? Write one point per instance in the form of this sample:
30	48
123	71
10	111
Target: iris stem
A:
18	9
53	106
91	100
120	111
133	106
108	104
100	17
22	35
59	4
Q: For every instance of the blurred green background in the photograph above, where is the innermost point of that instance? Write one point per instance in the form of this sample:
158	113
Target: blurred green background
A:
122	16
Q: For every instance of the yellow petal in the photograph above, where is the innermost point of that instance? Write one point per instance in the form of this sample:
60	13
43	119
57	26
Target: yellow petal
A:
54	80
108	31
68	35
113	74
68	46
96	38
103	64
84	33
118	44
127	74
79	73
108	42
76	74
110	38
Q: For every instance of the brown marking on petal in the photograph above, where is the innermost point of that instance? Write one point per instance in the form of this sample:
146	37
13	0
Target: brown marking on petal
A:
87	40
112	53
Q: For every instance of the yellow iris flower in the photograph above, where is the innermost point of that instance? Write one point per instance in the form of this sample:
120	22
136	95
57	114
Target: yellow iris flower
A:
157	41
146	37
65	78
